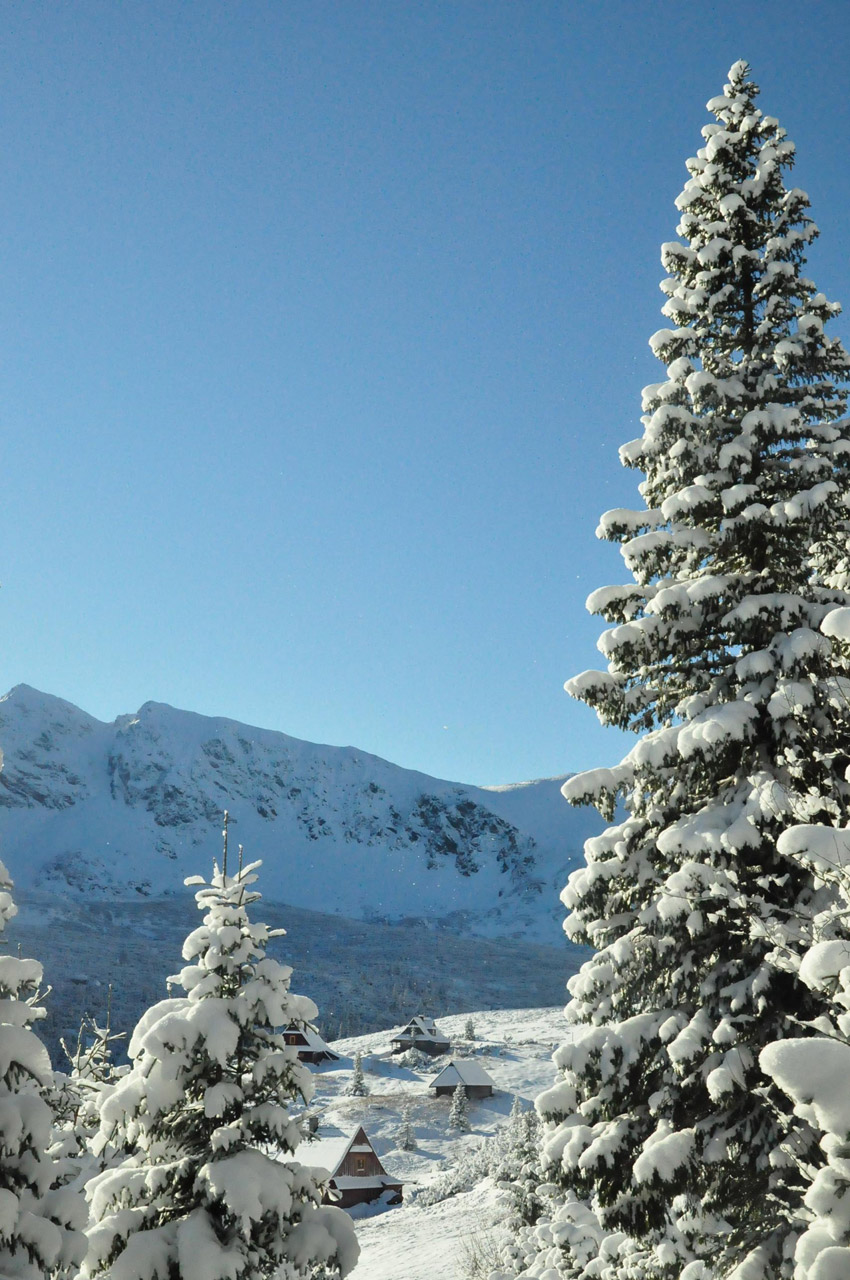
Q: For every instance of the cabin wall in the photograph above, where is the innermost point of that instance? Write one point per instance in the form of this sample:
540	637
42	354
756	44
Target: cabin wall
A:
355	1195
370	1168
472	1090
424	1046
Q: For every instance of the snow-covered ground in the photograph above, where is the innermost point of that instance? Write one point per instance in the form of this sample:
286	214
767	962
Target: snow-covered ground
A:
420	1241
412	1243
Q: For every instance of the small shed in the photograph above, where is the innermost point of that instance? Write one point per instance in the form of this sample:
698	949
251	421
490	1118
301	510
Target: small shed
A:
420	1033
474	1077
356	1175
310	1045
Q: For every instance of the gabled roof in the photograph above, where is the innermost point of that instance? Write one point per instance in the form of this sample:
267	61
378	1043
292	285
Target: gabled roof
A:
420	1028
332	1148
311	1039
463	1072
327	1152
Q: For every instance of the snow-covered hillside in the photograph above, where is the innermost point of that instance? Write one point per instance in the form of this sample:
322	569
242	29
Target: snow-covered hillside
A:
128	808
435	1239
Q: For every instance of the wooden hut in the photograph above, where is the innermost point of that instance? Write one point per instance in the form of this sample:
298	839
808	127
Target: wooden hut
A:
310	1045
420	1033
356	1175
466	1072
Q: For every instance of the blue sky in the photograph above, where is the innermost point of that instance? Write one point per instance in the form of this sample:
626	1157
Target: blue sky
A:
320	327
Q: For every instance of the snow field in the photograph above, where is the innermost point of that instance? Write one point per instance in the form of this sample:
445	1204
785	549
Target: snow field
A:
412	1243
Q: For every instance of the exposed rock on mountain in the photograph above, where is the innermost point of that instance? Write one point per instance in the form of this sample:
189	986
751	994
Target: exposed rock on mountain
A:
132	807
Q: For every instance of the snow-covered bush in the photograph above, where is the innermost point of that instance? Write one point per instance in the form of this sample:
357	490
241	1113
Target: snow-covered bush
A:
661	1119
414	1060
509	1158
469	1167
40	1220
480	1251
474	1048
569	1242
210	1190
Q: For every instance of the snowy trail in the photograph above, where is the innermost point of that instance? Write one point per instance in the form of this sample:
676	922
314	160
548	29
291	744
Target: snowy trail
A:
419	1244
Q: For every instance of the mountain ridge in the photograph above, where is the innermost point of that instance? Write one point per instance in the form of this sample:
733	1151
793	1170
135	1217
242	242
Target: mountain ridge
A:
116	809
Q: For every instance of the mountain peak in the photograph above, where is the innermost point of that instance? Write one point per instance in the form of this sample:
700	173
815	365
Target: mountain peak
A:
23	699
113	810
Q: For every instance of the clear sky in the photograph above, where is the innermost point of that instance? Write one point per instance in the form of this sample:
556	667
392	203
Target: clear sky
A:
320	327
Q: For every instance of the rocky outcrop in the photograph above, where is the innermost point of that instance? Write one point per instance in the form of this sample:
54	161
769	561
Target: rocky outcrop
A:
130	807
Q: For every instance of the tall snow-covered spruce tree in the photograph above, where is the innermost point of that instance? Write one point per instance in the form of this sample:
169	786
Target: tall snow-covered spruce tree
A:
661	1119
210	1190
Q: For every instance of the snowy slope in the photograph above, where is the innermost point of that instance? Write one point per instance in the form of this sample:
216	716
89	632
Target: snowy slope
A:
128	808
515	1048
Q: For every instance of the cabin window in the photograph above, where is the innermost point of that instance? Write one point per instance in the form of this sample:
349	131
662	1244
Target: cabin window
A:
361	1164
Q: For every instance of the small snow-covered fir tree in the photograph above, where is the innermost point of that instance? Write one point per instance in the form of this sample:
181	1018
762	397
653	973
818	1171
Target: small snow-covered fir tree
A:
357	1086
515	1165
516	1117
92	1058
211	1190
458	1113
76	1097
406	1137
469	1029
661	1119
91	1070
40	1220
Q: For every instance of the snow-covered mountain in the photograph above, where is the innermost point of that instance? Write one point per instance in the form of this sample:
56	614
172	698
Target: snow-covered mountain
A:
128	808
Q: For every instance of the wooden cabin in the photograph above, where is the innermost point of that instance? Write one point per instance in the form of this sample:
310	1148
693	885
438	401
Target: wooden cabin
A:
466	1072
310	1045
420	1033
356	1175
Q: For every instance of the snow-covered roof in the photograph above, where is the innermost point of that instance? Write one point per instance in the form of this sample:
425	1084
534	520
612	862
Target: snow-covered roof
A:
420	1028
329	1151
464	1072
314	1041
311	1040
325	1153
349	1182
